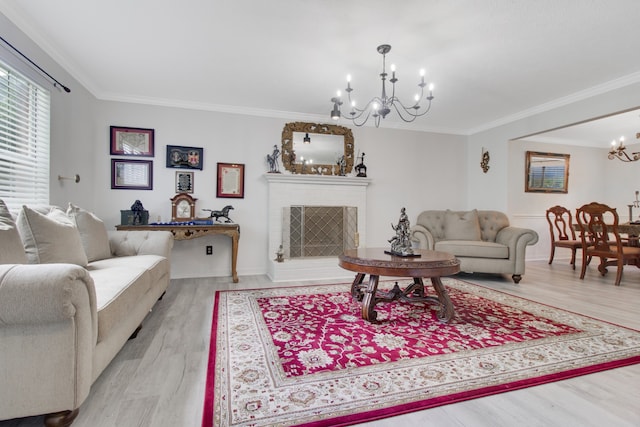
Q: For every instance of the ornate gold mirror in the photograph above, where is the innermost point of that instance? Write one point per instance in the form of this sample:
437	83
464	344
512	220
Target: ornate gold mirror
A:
311	148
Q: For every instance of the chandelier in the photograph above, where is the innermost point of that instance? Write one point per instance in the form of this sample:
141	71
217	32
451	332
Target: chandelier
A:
381	106
620	152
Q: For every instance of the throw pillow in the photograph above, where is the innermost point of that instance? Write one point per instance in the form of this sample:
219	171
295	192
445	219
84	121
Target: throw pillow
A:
50	238
11	249
462	225
93	233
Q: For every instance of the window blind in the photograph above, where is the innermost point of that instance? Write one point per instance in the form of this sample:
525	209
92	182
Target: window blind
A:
24	140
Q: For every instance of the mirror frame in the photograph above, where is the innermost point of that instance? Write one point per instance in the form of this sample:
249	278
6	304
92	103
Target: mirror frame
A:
288	155
553	186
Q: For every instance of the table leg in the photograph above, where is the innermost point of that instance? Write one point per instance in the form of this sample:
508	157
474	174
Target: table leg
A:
447	312
356	288
234	257
369	299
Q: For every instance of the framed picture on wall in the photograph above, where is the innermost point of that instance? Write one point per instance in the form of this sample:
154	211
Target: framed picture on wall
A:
230	180
184	182
546	172
184	157
132	141
131	174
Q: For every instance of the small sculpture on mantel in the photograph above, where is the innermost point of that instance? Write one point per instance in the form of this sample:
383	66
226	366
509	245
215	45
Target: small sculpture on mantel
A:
272	159
360	167
342	166
401	243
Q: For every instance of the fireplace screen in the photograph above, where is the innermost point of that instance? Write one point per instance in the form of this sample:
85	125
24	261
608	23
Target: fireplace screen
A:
319	231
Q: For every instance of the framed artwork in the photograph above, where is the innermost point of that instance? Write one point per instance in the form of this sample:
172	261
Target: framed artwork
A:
184	182
546	173
132	141
230	180
184	157
131	174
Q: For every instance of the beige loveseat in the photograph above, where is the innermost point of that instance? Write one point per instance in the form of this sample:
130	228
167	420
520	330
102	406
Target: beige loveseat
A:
483	241
71	295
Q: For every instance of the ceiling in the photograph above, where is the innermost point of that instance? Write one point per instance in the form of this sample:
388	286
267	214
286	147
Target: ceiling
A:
492	61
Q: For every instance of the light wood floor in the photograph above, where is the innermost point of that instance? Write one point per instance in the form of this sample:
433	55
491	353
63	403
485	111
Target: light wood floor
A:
158	378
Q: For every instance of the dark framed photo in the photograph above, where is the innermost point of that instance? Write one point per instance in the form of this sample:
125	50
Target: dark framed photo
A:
132	141
184	157
230	180
184	182
131	174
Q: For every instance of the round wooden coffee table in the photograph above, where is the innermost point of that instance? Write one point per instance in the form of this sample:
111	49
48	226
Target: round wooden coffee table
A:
375	262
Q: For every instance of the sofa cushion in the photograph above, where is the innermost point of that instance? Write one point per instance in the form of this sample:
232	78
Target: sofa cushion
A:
121	283
462	225
93	233
11	249
473	248
50	238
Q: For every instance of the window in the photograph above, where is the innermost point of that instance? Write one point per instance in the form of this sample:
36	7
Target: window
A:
24	140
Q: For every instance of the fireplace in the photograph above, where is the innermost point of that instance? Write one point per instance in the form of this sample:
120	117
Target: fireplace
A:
310	192
318	231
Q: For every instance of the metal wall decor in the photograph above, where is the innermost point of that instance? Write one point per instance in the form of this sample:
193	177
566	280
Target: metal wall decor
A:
484	162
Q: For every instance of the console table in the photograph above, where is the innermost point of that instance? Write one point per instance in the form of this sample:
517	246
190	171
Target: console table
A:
188	232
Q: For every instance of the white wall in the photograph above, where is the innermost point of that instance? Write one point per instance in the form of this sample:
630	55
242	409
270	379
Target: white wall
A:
528	209
408	169
72	146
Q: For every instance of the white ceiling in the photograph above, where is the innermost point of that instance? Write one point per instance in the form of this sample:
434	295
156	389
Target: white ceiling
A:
492	61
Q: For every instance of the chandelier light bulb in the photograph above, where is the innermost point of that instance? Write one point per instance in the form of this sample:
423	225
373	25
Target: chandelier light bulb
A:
338	94
353	104
431	87
416	97
374	106
348	78
393	68
422	72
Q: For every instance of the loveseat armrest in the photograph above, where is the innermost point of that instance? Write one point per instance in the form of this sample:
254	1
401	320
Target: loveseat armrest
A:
45	293
141	242
423	236
517	239
48	333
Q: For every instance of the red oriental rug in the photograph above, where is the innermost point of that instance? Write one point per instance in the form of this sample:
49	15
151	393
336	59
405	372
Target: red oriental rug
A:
303	356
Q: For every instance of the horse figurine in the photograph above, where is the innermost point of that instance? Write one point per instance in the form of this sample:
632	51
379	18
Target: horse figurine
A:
272	159
224	213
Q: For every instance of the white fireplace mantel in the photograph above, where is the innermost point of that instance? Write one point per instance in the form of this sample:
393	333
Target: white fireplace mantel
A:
311	190
317	179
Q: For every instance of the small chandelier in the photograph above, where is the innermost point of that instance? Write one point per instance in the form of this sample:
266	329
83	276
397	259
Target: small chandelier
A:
381	106
620	152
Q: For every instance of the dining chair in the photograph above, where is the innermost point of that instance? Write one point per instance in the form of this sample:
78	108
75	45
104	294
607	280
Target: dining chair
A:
600	238
562	232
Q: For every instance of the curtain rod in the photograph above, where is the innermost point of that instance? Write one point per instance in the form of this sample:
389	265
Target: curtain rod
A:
56	82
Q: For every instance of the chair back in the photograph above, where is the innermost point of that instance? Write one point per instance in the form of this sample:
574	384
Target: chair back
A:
599	229
560	223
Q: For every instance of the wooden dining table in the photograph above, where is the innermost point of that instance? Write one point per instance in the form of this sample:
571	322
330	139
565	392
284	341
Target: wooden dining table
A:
630	229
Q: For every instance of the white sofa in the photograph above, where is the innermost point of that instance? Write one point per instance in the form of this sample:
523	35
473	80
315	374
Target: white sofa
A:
71	295
483	241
